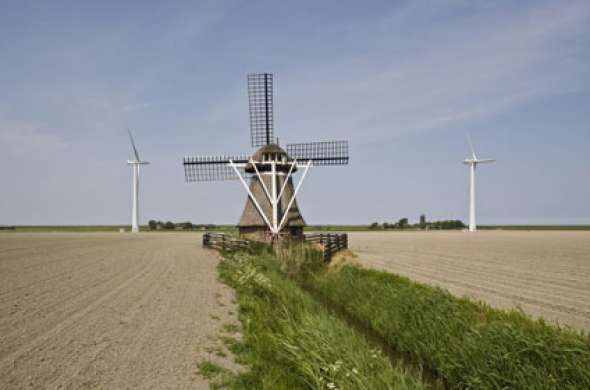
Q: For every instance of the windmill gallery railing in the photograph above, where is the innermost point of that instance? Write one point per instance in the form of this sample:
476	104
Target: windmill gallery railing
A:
224	242
331	242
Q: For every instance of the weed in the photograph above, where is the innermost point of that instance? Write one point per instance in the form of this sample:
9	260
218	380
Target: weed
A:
468	344
291	342
231	328
217	376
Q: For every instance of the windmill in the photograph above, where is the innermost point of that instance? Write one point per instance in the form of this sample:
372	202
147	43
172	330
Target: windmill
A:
135	165
271	211
473	162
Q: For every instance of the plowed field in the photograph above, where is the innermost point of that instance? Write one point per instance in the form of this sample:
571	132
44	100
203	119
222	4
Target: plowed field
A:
112	311
545	273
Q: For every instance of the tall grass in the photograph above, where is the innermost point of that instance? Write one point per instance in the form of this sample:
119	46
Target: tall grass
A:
468	344
292	342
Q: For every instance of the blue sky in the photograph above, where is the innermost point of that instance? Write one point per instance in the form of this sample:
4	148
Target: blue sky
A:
402	81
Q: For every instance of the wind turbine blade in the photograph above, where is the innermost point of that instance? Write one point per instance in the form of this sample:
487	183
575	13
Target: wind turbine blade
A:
133	145
471	146
486	160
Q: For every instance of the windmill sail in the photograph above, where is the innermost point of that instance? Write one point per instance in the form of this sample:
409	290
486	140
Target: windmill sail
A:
271	212
212	168
260	98
320	153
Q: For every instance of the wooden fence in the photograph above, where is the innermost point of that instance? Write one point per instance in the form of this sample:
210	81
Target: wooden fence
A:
331	242
224	242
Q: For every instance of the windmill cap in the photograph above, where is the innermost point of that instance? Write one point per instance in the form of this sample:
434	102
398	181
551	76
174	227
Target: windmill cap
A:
270	152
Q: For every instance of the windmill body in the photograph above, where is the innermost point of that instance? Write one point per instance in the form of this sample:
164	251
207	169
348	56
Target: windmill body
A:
272	196
135	164
271	212
473	162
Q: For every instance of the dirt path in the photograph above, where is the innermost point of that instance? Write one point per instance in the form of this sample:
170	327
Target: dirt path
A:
545	273
100	310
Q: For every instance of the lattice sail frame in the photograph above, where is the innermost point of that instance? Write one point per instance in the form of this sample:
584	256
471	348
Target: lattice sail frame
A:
260	99
320	153
212	168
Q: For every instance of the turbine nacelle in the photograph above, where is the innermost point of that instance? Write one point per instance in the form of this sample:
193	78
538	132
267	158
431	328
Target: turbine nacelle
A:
469	161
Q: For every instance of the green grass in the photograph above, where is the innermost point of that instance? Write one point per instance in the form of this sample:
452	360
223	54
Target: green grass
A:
365	228
219	377
230	229
306	326
467	344
291	341
74	228
534	227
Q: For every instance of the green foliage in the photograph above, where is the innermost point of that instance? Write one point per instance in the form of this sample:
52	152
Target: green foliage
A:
402	223
292	342
188	226
300	261
218	376
469	345
447	224
374	226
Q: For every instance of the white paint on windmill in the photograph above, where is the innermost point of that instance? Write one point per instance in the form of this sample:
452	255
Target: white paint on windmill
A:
473	162
135	166
271	205
271	211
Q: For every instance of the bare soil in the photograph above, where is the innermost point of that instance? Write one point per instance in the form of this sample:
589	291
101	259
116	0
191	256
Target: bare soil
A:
108	310
545	273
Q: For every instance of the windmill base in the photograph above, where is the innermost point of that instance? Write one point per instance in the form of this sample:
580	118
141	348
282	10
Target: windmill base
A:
262	234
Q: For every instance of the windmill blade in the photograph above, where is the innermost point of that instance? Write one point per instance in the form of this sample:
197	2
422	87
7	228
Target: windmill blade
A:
212	168
320	153
471	146
486	160
260	99
133	145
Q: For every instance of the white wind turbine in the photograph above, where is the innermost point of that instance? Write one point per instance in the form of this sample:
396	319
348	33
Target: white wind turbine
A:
472	162
135	165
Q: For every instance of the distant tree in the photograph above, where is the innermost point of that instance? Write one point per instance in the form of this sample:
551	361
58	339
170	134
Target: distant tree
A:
152	224
447	224
374	226
385	225
169	226
423	221
402	223
187	226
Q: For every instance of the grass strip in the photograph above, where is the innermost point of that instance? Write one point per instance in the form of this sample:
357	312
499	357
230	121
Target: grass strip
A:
468	344
291	341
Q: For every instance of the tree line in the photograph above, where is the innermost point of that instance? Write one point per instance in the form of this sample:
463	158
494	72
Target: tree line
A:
403	223
169	225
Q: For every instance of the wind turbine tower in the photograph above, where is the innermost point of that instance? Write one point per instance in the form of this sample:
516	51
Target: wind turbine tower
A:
473	162
135	165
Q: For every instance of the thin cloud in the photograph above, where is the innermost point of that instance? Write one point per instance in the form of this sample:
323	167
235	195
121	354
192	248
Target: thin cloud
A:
496	65
24	140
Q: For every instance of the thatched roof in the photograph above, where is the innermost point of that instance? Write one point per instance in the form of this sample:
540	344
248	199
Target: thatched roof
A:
268	149
251	216
271	152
